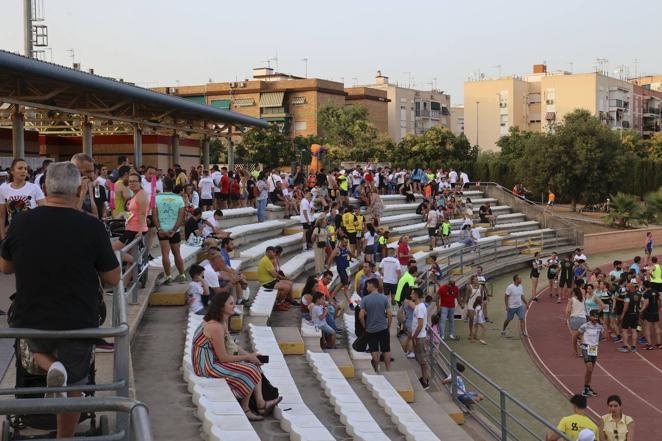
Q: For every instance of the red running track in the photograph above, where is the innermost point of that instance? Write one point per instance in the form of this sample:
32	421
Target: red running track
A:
635	377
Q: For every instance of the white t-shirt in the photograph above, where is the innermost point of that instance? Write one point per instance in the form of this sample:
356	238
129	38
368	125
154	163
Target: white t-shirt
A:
464	177
211	277
304	207
453	176
101	181
159	185
207	230
514	294
195	199
420	312
21	199
272	180
475	233
216	177
206	187
479	314
194	296
369	238
590	333
433	219
390	266
579	257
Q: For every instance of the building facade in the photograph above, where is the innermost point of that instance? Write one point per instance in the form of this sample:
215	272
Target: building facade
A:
291	102
412	111
537	101
376	103
457	120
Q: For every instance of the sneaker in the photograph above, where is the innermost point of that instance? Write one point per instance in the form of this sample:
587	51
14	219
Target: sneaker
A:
633	349
452	337
618	339
56	377
482	342
524	334
411	355
104	346
181	278
592	392
586	392
425	384
623	349
503	333
649	347
168	280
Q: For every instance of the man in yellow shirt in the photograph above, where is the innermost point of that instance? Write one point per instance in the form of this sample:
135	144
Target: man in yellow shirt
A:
573	424
270	279
349	223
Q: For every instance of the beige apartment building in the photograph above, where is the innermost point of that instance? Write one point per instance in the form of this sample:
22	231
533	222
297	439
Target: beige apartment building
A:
412	111
536	101
457	120
289	101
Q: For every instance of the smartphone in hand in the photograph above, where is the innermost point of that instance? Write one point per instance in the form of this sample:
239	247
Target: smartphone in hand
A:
264	359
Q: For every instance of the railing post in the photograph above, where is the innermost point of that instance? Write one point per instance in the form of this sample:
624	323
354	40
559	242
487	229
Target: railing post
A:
504	415
136	252
121	353
453	363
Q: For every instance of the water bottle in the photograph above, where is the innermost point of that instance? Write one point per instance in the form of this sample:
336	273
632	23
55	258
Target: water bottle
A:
97	193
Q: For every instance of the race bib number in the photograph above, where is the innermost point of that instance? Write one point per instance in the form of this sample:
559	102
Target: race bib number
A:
592	350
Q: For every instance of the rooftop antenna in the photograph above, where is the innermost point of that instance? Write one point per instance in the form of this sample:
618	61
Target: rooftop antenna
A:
434	83
356	81
305	60
636	66
72	54
409	76
498	66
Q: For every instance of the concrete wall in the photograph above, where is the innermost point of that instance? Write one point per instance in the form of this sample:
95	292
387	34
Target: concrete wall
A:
620	240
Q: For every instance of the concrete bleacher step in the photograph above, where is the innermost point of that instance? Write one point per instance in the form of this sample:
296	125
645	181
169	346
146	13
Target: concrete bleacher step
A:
250	233
289	340
343	361
250	257
169	295
401	383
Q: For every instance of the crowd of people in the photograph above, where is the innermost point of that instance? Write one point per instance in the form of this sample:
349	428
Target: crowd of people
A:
181	205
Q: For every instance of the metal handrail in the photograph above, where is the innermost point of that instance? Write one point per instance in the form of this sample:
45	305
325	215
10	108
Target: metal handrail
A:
137	411
506	432
119	330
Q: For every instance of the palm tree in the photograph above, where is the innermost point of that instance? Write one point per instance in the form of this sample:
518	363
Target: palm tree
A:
654	206
624	211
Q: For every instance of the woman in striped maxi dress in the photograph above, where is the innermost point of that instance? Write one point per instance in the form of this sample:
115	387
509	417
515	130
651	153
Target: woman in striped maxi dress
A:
216	355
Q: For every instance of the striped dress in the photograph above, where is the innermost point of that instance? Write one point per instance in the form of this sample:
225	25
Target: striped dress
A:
241	376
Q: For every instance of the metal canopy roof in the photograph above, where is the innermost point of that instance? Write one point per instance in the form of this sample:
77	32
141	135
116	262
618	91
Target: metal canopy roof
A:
57	89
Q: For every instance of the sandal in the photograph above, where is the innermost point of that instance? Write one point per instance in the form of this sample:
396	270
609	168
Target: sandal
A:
253	416
269	406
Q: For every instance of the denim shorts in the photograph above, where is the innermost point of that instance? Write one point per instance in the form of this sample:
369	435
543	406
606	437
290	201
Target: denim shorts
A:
325	328
519	311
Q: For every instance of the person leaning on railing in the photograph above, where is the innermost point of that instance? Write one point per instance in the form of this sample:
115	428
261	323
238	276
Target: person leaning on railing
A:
59	290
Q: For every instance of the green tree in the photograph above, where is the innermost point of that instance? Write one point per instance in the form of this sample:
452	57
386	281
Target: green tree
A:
437	147
654	206
268	146
580	160
624	211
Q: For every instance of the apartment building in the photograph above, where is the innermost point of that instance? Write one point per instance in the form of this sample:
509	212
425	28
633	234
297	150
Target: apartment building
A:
289	101
650	82
536	101
413	111
457	120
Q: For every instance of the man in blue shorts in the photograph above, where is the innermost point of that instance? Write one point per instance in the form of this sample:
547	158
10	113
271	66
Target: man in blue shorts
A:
516	304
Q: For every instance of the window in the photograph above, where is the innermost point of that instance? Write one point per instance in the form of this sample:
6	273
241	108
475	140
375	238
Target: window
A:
300	126
549	102
298	100
244	102
272	110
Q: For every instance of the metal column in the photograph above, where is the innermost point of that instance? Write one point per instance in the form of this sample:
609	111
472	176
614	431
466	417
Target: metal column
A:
205	153
18	134
87	137
230	154
174	144
27	28
137	146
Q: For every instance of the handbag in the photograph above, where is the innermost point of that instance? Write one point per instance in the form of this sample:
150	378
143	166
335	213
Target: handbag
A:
361	343
269	392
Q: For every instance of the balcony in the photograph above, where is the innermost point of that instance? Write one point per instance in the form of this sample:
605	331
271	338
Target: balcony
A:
435	114
422	113
534	98
617	104
652	112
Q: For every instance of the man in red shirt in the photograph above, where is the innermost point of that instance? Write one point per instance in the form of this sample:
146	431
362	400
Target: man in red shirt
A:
447	296
225	188
404	253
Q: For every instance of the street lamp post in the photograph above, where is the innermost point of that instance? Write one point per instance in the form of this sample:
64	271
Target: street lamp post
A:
477	121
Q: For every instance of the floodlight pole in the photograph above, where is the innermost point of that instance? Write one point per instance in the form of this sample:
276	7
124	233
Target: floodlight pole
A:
175	148
205	153
18	133
86	129
27	28
137	146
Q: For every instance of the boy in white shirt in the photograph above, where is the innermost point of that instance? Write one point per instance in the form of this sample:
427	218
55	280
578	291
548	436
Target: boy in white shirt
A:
197	292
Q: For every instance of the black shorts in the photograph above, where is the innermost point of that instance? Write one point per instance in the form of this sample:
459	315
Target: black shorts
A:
588	358
175	239
630	321
75	355
205	202
534	273
565	283
342	273
352	238
234	197
432	232
390	289
128	236
270	285
343	193
217	195
551	276
225	196
652	317
379	341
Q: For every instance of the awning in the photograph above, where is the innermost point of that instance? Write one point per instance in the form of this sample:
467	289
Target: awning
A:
550	116
272	99
221	104
444	111
435	105
298	100
199	99
244	102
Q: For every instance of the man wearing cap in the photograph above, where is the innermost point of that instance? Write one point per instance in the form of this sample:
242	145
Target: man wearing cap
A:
573	425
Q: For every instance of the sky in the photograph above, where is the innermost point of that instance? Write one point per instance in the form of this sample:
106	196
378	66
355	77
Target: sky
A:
169	42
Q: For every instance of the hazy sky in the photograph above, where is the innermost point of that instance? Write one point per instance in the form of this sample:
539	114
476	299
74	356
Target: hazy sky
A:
154	42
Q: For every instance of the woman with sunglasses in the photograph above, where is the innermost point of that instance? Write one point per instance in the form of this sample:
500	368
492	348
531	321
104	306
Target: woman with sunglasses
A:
616	426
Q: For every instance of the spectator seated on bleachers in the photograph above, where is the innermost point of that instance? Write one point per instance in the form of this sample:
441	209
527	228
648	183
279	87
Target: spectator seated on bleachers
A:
216	355
74	253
